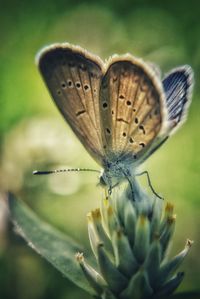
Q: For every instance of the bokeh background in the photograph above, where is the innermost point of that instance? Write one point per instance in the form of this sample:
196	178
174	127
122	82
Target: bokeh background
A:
33	134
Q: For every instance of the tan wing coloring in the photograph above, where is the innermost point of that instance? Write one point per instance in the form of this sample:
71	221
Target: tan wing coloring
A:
131	107
73	78
116	109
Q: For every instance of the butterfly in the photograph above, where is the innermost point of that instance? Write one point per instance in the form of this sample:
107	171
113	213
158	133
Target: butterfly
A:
119	109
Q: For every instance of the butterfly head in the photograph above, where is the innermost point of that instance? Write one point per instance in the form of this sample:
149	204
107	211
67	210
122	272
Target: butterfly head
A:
105	178
113	174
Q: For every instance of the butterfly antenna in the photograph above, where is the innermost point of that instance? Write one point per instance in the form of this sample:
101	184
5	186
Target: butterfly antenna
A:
37	172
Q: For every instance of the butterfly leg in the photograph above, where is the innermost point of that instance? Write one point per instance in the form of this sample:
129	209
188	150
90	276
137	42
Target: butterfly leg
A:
110	190
106	194
112	187
131	186
130	179
149	182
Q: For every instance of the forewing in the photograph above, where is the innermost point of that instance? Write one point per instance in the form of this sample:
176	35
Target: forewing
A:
73	78
131	107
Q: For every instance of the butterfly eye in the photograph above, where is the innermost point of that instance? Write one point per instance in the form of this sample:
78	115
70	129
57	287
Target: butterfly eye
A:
102	181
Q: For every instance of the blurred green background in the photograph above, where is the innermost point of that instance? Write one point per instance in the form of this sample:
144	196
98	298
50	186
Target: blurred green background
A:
33	135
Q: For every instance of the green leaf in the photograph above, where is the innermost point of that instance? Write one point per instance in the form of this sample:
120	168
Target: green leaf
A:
50	243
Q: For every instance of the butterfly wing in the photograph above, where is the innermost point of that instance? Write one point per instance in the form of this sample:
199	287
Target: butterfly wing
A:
178	86
73	78
131	108
117	110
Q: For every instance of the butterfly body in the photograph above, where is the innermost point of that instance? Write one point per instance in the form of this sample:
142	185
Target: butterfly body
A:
120	109
115	172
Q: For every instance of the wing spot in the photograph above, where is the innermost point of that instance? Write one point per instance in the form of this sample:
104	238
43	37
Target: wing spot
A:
128	103
135	156
80	112
141	127
123	120
142	144
131	140
105	105
108	131
69	83
136	120
134	110
95	90
63	85
121	97
78	84
86	87
104	146
59	92
124	134
112	112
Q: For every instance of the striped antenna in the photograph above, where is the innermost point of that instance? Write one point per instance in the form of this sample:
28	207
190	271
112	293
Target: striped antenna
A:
37	172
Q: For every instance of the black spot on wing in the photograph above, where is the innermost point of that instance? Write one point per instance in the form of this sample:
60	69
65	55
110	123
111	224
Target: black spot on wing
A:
122	120
80	112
